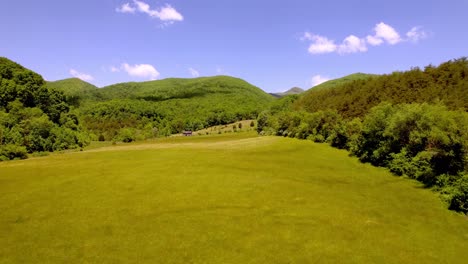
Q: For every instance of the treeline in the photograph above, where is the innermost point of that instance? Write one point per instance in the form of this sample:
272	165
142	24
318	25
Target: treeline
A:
129	120
33	118
425	142
447	83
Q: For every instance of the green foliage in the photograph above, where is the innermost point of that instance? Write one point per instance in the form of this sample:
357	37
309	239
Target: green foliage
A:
33	117
75	90
319	126
126	135
11	152
262	121
172	105
429	140
459	201
447	83
425	142
343	80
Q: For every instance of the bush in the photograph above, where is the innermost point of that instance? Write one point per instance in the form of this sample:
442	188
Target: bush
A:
252	123
126	135
11	152
262	121
418	167
419	140
239	126
459	201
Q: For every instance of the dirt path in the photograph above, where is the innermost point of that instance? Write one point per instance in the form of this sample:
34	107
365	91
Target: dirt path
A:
222	144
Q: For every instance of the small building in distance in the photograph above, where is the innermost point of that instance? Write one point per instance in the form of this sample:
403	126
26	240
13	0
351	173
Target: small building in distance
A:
187	133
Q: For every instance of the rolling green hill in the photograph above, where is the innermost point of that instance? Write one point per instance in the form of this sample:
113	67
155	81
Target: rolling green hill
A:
72	86
172	105
75	90
179	88
447	83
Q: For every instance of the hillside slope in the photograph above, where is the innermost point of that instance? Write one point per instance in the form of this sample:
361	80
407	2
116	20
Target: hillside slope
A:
172	105
72	86
447	83
75	90
343	80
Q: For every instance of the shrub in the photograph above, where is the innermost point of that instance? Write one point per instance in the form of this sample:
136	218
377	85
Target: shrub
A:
126	135
11	152
459	201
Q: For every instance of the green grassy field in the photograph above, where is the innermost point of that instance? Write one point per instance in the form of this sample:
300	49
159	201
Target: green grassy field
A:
231	198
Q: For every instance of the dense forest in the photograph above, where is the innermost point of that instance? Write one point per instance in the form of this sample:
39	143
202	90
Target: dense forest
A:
414	123
34	118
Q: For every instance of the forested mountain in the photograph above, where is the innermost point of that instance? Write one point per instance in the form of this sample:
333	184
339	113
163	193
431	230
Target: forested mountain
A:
164	107
179	88
447	83
138	110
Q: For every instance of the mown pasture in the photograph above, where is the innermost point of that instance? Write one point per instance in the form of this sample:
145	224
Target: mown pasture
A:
230	198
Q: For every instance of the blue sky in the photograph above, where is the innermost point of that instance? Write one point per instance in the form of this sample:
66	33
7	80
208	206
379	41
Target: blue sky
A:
274	45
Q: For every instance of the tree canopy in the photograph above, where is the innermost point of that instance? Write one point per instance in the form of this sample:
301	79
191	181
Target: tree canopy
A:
447	83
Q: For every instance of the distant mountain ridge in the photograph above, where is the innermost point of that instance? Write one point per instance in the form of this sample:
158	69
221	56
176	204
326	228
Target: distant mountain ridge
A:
294	90
180	88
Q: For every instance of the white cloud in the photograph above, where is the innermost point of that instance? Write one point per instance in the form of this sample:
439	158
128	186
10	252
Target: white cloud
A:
114	69
318	79
166	13
387	33
383	33
320	44
126	8
83	76
141	71
194	72
416	34
352	44
374	41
